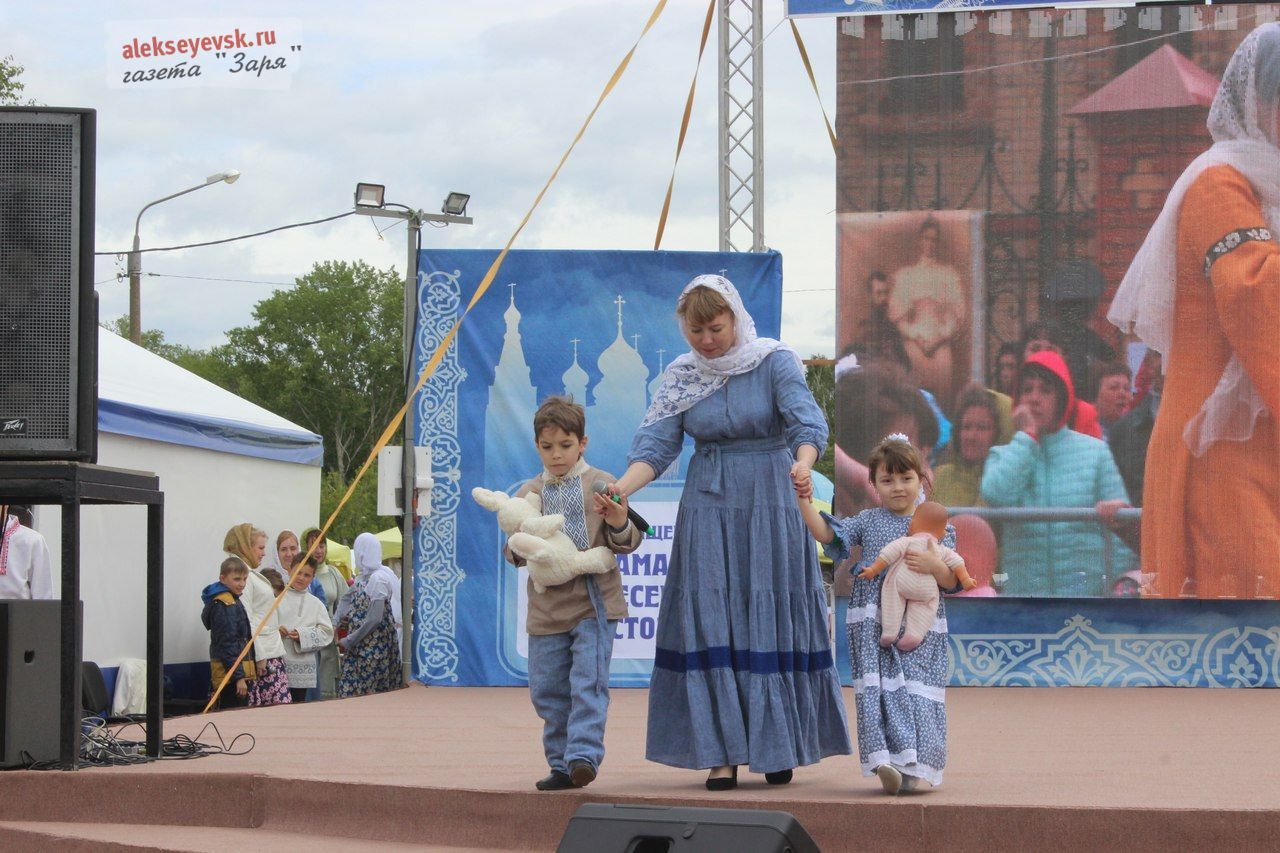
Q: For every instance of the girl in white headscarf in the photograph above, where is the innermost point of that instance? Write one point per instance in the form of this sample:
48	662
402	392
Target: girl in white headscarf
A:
1204	292
743	670
366	621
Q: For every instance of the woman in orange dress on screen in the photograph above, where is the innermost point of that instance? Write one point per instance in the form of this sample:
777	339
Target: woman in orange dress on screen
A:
1204	291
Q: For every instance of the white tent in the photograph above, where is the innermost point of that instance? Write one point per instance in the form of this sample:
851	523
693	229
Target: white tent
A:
221	461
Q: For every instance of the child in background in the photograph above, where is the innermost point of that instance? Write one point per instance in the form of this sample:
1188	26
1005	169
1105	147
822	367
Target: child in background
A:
333	585
228	625
571	626
902	718
305	628
274	578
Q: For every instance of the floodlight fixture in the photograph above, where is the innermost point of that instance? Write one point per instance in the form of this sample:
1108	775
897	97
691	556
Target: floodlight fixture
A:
455	204
370	195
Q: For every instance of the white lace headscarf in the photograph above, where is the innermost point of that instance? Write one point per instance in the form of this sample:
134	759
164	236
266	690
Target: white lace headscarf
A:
1242	122
691	377
378	580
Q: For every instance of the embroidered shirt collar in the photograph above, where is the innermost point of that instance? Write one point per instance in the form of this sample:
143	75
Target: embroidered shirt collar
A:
576	471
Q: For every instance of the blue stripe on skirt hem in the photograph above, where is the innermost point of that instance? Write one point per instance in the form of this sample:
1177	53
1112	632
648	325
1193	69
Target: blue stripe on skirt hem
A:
742	660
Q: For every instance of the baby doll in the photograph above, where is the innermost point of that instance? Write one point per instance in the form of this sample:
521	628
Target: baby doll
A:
909	593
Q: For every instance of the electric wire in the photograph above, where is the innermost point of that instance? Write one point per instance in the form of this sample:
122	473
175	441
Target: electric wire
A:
233	239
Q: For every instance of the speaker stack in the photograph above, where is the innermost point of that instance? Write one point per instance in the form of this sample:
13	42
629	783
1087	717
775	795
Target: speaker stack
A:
30	681
48	310
48	377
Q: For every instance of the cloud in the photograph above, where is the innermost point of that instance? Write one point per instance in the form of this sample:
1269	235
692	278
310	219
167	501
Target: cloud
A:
480	97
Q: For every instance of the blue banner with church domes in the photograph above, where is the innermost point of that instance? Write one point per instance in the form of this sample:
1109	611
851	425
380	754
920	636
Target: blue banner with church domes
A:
597	325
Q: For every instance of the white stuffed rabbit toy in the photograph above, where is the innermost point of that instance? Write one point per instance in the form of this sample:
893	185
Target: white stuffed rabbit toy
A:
540	540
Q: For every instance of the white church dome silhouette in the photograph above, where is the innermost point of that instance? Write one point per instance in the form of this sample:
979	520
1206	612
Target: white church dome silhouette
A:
620	364
512	402
512	371
619	400
575	378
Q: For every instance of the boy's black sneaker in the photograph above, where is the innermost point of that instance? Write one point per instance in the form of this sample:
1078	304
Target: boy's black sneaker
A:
581	773
557	781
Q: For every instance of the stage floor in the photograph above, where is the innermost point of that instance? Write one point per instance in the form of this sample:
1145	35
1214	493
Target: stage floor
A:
1058	768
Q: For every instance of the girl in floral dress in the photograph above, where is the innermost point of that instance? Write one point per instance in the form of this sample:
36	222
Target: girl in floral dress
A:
900	696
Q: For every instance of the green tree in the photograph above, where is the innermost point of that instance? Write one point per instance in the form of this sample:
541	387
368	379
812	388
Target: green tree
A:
153	340
11	88
821	379
360	513
203	363
326	354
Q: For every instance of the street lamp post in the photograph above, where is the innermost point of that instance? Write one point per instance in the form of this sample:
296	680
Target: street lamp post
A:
135	256
370	200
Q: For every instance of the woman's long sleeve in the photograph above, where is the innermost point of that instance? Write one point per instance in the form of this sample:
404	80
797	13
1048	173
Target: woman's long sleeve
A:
658	444
372	619
344	606
1006	477
801	417
1245	274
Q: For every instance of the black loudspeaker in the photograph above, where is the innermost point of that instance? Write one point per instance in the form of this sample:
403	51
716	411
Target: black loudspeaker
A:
600	828
30	680
48	311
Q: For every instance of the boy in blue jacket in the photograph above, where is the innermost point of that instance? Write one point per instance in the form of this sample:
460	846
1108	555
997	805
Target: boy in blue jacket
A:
229	632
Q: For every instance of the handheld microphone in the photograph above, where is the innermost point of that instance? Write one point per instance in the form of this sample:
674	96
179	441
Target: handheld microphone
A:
601	488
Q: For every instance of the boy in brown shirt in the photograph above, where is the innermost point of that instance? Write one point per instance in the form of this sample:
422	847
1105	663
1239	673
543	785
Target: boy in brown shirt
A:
571	626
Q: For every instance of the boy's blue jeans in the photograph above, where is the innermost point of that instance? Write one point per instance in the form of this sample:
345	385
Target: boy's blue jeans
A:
569	685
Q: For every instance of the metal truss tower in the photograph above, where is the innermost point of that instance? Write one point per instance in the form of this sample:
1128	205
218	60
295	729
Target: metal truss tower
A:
741	85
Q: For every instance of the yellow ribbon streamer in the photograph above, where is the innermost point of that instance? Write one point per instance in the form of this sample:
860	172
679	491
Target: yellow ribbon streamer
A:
440	351
813	81
684	125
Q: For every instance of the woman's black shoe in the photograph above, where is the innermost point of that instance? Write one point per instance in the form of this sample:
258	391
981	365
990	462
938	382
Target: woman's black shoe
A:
557	781
724	783
781	777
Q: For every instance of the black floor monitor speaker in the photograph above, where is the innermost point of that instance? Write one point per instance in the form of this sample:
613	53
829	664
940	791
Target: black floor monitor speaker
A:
48	312
30	681
600	828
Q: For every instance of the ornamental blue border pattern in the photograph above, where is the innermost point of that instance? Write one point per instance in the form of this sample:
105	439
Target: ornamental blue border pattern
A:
1082	642
1114	643
436	571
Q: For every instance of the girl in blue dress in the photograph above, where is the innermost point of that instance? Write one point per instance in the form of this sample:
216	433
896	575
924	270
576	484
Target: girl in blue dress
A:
743	670
900	696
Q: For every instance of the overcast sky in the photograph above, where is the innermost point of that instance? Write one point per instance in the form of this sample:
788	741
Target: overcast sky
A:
479	96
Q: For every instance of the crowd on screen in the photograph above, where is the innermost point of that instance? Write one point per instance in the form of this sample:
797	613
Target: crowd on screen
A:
1063	422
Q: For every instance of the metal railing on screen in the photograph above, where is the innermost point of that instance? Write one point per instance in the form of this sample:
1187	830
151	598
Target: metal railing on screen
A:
1020	514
